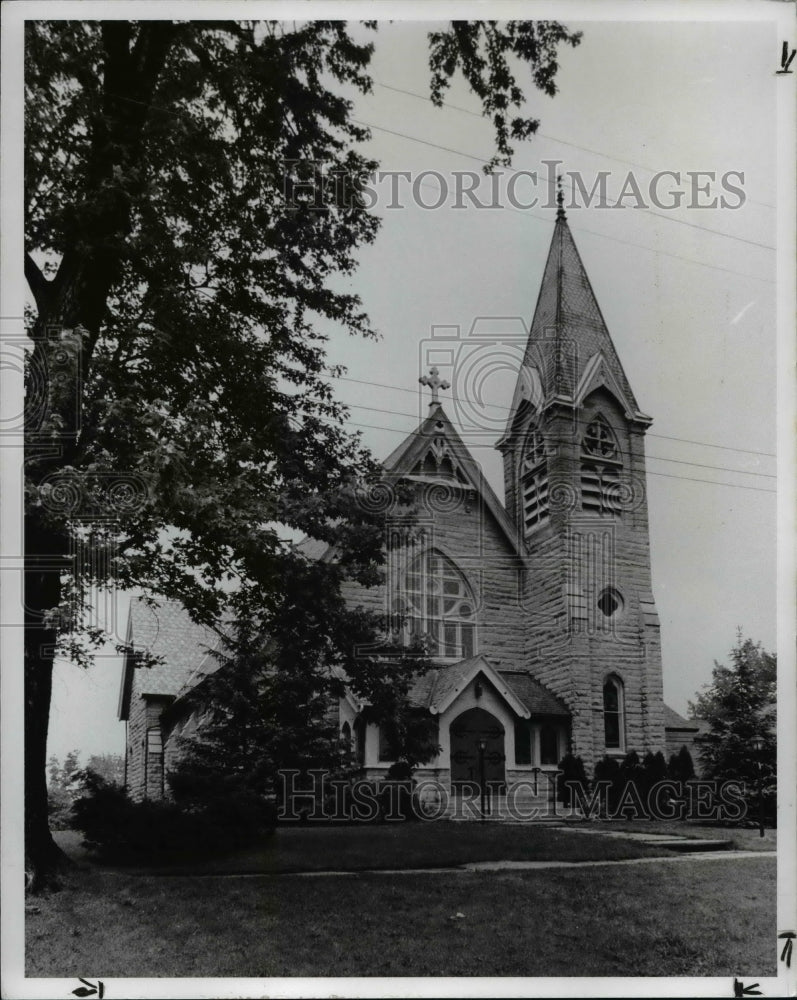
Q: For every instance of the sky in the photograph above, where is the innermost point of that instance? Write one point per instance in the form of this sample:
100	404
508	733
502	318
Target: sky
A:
688	296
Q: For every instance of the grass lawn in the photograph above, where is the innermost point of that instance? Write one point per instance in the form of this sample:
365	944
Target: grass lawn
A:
403	845
695	918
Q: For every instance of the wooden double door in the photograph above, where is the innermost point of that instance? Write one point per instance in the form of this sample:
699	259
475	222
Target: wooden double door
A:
467	732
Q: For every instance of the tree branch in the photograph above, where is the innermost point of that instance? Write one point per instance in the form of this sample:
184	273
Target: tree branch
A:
38	284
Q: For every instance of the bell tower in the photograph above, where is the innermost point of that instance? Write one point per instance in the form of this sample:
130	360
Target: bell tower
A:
575	486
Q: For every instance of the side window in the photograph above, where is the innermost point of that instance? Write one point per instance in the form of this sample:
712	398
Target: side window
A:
613	714
522	742
549	745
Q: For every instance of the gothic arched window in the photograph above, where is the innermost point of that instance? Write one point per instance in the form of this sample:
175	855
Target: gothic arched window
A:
534	482
601	466
440	606
614	713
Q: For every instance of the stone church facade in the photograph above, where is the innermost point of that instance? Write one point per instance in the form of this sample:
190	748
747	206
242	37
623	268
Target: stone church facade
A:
539	611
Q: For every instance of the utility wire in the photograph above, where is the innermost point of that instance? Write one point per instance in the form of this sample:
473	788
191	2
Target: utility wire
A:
508	409
649	472
613	204
541	135
582	229
659	458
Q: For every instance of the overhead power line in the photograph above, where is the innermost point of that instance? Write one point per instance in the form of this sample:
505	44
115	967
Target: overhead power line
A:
583	229
507	409
650	472
613	204
659	458
541	135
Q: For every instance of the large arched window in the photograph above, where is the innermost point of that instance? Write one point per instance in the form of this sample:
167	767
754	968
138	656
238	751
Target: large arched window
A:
440	606
533	482
601	466
613	713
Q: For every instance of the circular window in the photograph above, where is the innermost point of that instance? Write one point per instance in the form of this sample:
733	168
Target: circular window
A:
610	602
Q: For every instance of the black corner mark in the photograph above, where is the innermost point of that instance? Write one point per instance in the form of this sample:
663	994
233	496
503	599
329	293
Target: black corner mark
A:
786	58
740	990
89	989
785	955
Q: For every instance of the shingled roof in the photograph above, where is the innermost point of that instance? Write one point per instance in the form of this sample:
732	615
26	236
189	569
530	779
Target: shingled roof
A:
165	631
534	695
435	687
569	346
672	720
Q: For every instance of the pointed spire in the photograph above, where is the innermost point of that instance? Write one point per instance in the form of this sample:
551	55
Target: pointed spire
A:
560	199
568	331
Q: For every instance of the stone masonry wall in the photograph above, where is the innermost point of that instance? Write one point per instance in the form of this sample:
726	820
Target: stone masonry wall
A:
467	533
573	558
144	752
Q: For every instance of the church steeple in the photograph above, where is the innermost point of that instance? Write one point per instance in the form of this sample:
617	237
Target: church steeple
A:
569	343
575	486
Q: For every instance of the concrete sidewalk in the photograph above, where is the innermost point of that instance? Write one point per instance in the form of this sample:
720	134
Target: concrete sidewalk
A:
496	866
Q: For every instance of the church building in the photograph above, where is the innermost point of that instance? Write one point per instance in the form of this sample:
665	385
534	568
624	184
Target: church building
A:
539	611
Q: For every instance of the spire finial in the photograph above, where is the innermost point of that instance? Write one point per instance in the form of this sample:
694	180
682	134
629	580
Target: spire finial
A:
435	383
560	198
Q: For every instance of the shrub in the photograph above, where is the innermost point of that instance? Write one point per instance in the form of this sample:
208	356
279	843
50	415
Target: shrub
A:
681	766
573	772
655	770
59	804
118	828
608	769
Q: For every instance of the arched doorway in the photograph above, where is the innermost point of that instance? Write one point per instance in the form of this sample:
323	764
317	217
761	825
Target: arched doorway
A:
467	731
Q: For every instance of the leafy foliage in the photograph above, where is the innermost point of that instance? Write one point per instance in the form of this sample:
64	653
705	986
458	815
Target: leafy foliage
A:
182	273
180	419
572	771
631	780
680	766
64	782
258	714
120	829
61	789
740	705
480	49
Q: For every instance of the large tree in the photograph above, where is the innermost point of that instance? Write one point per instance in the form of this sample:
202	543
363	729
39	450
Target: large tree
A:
179	410
740	706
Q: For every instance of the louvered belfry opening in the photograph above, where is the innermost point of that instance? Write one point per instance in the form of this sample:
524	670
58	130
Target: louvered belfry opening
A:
601	468
534	482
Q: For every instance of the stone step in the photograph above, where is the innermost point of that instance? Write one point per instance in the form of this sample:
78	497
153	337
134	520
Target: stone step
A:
521	810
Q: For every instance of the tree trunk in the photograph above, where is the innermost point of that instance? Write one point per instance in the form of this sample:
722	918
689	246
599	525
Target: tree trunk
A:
43	857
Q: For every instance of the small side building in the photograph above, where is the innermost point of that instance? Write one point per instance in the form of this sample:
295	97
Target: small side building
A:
185	649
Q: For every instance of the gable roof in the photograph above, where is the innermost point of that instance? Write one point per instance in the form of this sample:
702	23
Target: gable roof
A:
535	696
672	720
165	631
403	459
567	332
439	688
